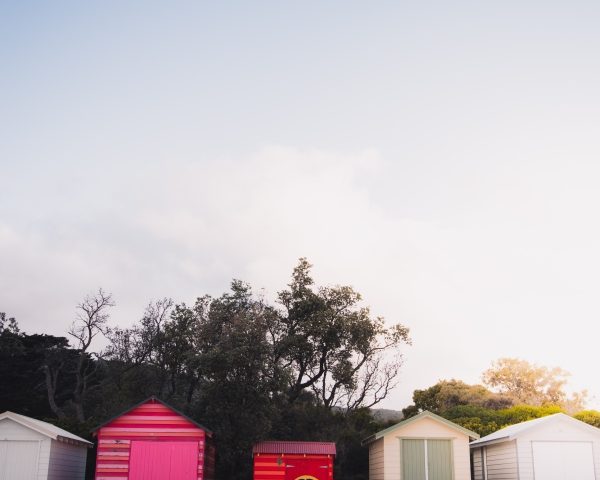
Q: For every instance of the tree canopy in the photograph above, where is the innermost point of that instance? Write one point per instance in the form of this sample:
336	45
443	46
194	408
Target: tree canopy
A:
306	366
524	392
530	384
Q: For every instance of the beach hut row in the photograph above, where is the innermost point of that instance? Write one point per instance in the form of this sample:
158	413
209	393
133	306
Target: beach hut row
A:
149	441
429	447
154	441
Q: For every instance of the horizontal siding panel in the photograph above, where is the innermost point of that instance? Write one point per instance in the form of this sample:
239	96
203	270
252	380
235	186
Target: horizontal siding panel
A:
501	461
151	421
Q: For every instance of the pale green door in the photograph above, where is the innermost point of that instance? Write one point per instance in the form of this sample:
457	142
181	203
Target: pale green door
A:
439	460
413	460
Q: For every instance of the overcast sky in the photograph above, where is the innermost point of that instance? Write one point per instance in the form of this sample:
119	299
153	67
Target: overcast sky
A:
441	157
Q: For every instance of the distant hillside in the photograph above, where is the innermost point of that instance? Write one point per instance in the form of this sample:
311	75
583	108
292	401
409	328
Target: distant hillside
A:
384	415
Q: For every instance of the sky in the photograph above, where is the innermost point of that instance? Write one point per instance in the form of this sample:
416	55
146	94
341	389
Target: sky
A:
440	157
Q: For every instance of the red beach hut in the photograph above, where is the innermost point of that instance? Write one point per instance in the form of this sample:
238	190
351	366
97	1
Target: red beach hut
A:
153	441
293	460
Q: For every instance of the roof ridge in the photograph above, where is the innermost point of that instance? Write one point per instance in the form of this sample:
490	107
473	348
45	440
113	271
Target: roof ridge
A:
45	428
511	431
423	414
153	398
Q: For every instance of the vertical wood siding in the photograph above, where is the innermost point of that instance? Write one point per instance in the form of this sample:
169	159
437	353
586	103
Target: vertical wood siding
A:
18	459
163	461
151	421
439	459
15	431
413	459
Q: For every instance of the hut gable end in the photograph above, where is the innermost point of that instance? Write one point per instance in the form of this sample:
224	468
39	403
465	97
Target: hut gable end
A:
152	432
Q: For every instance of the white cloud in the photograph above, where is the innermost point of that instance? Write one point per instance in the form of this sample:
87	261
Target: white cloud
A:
471	289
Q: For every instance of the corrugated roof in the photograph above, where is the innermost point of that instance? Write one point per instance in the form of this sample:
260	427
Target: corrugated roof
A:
513	431
425	414
44	428
298	448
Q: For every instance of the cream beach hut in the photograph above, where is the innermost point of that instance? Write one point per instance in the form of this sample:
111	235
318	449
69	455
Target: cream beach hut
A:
423	447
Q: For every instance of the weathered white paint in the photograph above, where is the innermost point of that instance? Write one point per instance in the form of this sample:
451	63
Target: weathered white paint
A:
37	456
425	427
376	460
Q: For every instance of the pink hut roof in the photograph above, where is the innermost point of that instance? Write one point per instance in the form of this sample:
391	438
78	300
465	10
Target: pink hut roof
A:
296	448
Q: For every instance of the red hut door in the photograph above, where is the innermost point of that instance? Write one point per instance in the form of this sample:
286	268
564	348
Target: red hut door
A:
163	461
309	469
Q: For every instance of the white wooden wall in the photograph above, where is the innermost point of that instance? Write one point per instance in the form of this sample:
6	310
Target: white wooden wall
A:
562	430
10	430
55	460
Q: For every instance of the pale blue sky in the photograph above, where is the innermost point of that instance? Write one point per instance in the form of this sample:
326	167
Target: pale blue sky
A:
442	157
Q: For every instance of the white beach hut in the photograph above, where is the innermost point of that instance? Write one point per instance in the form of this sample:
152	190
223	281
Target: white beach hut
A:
34	450
556	447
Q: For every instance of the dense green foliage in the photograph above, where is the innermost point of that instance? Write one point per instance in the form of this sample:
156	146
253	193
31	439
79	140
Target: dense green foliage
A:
448	394
480	410
306	367
485	420
589	416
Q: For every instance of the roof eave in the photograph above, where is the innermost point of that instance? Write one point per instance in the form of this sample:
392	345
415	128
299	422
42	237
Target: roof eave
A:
369	440
72	441
477	444
22	420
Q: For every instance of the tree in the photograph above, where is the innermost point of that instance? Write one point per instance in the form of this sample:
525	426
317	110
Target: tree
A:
592	417
447	394
241	385
333	346
486	420
23	362
92	318
8	324
251	369
531	384
139	344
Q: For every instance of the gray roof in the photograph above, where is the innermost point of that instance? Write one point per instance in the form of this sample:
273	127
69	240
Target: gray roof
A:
45	428
511	432
425	414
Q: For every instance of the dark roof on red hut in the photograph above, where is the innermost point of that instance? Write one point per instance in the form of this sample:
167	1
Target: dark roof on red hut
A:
295	448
